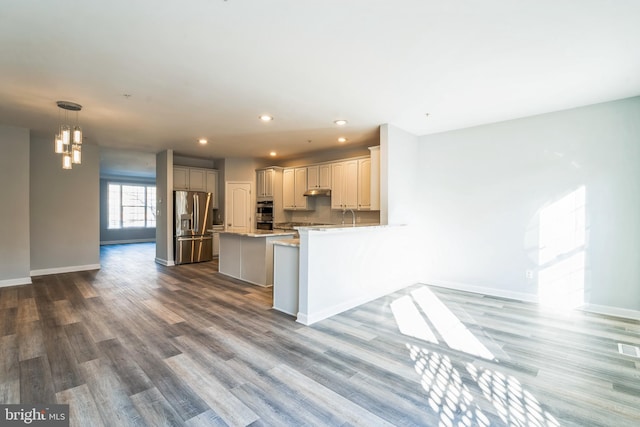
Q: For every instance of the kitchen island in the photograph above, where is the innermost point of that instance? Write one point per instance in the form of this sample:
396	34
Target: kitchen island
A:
248	255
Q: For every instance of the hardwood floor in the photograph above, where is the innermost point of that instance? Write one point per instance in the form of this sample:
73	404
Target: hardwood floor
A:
137	343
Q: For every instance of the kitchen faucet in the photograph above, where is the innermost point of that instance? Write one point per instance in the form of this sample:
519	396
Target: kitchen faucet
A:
353	216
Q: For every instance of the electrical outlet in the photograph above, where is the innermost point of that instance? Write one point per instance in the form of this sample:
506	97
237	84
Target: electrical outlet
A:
529	274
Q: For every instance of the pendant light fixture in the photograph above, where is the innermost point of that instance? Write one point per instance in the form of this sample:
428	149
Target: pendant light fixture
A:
68	140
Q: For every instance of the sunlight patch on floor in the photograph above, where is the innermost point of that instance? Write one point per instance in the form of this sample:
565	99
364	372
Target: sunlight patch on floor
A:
515	406
447	395
452	330
410	321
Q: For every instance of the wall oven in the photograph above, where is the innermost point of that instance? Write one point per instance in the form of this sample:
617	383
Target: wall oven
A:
264	215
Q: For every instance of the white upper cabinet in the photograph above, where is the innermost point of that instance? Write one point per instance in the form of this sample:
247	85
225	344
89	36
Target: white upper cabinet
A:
197	180
180	178
364	184
356	184
319	176
294	184
344	185
264	183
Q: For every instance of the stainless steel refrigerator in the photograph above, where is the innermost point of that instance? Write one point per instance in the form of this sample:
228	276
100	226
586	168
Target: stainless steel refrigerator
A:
193	218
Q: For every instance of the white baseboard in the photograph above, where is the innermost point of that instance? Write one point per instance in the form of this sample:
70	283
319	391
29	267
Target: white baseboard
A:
612	311
165	262
122	242
15	282
69	269
500	293
311	318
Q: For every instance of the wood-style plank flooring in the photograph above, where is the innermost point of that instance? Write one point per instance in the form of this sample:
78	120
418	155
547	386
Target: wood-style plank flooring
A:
140	344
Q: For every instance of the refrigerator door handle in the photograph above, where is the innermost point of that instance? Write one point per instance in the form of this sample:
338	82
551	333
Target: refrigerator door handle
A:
196	213
206	214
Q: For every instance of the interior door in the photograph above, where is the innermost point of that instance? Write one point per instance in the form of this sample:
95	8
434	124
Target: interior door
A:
238	209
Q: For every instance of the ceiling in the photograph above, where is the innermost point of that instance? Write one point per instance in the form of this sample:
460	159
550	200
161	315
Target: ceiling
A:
159	74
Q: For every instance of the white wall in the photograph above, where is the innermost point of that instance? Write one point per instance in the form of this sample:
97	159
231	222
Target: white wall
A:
164	208
399	164
64	210
14	208
481	191
345	267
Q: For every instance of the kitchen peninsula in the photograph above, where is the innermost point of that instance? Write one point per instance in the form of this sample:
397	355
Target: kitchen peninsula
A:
248	256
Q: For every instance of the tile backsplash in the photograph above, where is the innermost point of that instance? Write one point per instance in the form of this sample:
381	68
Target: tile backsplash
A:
323	214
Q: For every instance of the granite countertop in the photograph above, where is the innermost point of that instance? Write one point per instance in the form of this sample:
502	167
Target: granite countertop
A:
288	242
260	233
339	226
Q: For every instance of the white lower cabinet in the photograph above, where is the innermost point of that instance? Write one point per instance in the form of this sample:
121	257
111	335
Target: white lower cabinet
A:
285	278
216	244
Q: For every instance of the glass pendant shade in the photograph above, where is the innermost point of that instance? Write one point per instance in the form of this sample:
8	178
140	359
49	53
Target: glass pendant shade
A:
68	140
65	131
59	147
66	161
77	135
76	154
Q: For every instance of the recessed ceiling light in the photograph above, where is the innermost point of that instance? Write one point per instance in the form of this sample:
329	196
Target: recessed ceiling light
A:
272	154
426	114
340	122
342	139
202	141
265	117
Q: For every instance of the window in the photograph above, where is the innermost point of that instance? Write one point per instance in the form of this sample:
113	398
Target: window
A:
132	205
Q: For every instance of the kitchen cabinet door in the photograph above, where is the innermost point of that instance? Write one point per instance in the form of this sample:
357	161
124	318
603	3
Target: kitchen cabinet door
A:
350	185
197	180
312	177
319	176
180	178
324	176
344	185
289	189
300	188
364	184
294	184
260	184
337	183
269	175
265	179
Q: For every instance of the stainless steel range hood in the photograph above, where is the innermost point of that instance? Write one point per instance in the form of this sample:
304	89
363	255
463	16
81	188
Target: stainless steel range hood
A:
315	192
